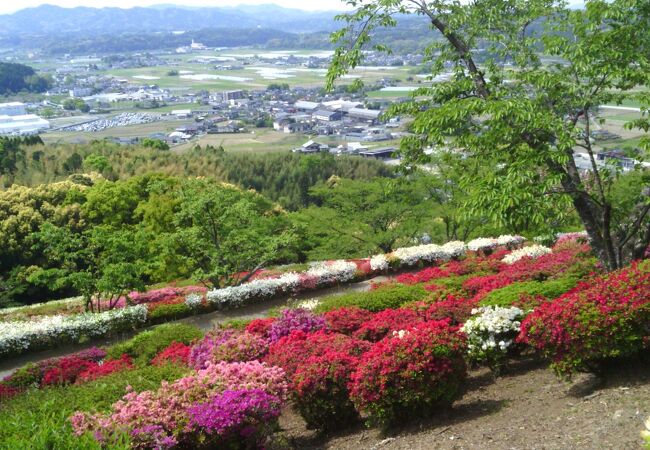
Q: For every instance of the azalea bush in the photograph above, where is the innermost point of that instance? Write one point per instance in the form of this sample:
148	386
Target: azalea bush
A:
347	320
146	345
533	251
178	413
52	331
320	390
604	319
293	320
99	370
227	345
260	327
176	353
236	418
491	334
410	374
385	322
292	350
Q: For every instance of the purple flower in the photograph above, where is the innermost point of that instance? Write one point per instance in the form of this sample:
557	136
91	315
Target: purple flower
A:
295	319
235	413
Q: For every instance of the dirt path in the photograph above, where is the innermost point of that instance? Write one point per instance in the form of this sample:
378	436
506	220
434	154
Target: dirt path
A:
527	409
203	321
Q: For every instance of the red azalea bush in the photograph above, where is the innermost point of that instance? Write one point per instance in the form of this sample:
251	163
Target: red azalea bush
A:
175	353
384	322
260	326
607	318
291	351
66	371
106	368
347	320
456	309
320	390
410	375
482	285
7	392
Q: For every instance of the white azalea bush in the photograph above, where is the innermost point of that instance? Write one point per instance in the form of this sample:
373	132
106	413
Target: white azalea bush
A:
379	263
194	301
410	256
489	244
48	331
309	305
532	251
491	333
320	274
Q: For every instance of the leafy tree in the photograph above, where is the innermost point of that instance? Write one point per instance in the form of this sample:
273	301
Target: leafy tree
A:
155	144
102	264
359	218
225	234
519	118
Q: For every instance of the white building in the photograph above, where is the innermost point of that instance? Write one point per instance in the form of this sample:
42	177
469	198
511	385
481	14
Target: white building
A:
12	109
23	124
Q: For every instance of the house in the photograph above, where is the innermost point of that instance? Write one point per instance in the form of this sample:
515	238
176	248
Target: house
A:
324	115
311	147
297	127
342	105
378	153
232	95
188	129
302	105
369	115
182	113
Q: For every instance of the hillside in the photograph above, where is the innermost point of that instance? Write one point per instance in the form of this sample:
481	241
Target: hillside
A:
53	19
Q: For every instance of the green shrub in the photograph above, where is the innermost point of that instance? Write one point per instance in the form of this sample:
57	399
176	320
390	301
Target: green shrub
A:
165	313
237	324
144	346
38	419
511	294
385	297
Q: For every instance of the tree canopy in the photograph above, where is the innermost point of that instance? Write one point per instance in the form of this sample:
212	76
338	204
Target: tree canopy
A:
525	80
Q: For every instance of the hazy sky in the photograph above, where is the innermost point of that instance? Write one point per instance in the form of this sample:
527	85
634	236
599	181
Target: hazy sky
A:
319	5
7	7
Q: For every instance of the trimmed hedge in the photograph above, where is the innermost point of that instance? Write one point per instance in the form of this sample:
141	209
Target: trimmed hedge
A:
390	296
143	347
513	293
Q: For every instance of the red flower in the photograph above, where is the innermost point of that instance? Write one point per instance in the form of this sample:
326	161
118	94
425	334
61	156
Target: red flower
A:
176	353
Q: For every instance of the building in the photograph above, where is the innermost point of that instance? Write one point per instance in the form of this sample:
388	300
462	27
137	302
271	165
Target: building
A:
182	113
232	95
324	115
311	147
370	115
79	92
24	124
378	153
12	109
302	105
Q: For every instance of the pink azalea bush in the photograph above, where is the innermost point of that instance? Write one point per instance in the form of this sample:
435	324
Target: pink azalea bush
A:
295	320
154	418
227	345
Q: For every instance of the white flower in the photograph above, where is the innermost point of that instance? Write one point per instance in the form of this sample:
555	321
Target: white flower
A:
400	334
309	304
18	336
491	329
378	263
193	300
481	244
533	251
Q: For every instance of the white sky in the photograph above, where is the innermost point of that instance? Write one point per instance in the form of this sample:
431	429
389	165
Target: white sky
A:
8	7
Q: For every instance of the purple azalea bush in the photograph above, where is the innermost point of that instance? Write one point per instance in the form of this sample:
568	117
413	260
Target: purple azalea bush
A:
295	319
237	417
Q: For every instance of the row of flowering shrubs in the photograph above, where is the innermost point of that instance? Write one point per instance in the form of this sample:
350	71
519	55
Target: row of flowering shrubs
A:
169	303
386	366
53	331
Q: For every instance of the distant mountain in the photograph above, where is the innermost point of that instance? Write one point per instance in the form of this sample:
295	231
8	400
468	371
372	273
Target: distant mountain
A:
47	19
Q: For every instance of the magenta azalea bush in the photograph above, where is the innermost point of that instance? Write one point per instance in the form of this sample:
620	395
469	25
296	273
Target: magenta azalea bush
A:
163	416
295	320
236	419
